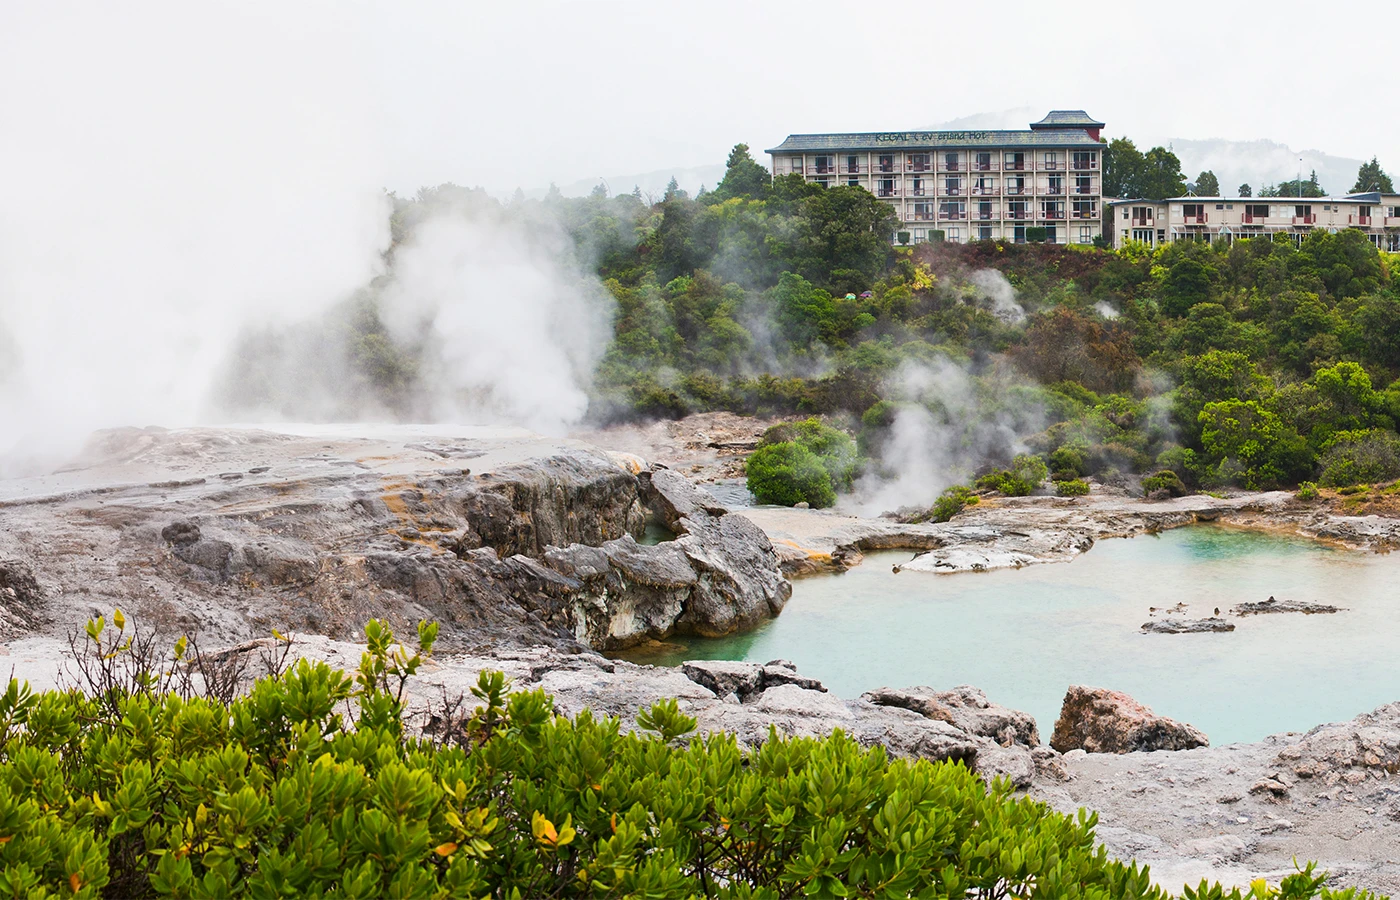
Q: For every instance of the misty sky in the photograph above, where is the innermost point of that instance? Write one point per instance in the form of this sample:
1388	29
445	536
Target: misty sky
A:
506	94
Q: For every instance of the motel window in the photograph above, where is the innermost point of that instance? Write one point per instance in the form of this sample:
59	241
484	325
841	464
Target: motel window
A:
1086	234
1051	159
797	164
955	234
853	182
984	232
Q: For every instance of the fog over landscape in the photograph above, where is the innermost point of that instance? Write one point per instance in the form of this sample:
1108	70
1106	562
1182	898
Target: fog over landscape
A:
165	195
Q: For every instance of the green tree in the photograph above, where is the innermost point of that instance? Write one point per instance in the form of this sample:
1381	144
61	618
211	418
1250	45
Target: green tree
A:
1245	190
1207	185
1161	175
1305	189
1251	446
1370	177
1122	169
742	177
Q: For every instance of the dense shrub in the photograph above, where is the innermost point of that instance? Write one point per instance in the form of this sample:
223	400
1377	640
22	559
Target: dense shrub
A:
140	793
787	473
952	501
1307	492
1165	480
1027	472
785	476
1073	487
1360	457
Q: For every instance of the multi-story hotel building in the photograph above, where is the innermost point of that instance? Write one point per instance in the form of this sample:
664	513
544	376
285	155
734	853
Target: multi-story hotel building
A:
1155	222
969	185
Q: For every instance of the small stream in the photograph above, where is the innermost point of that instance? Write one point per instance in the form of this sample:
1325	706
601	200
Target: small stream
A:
1024	635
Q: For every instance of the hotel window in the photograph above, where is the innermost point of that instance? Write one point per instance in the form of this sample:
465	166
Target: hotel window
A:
918	162
917	187
825	164
797	164
986	184
952	209
984	162
887	163
952	185
1015	184
1050	234
853	181
853	164
886	188
1083	184
1085	159
1057	184
1052	159
954	234
984	232
1086	234
1018	234
950	162
918	234
1015	161
1085	209
923	211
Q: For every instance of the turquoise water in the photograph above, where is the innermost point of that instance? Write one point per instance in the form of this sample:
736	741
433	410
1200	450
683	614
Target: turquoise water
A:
1024	635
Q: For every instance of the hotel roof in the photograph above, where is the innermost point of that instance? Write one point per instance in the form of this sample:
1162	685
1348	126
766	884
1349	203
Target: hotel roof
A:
1061	128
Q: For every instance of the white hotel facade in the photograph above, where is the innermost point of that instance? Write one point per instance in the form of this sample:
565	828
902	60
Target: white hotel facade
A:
1156	222
969	185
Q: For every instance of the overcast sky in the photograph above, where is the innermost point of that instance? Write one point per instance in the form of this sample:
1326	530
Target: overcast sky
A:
509	93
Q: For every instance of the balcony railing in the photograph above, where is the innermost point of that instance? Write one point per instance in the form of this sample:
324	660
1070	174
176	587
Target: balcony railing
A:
825	170
797	170
1079	189
1251	219
1304	220
1052	214
1017	191
886	192
983	167
855	169
1392	221
983	191
1361	220
918	167
1141	223
1018	214
1014	166
952	167
1084	166
984	215
1053	190
1195	219
885	167
952	216
918	192
952	191
1085	214
923	217
1051	166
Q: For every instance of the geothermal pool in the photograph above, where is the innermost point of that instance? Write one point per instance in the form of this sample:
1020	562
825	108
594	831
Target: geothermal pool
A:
1024	635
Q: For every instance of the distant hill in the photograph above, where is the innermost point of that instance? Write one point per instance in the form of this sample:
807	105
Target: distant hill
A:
1261	162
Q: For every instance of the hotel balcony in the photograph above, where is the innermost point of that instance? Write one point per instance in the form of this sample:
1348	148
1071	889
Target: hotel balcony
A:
1361	221
922	217
1051	167
918	167
918	192
1054	191
955	167
1084	166
856	169
952	216
887	192
1018	214
1085	190
985	216
1141	223
1014	167
1195	220
825	170
1305	220
1052	214
951	192
1016	192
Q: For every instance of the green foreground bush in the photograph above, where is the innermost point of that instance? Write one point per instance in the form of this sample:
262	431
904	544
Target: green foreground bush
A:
310	786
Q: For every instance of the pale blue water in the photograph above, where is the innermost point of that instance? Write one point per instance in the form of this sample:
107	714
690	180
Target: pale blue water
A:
1024	635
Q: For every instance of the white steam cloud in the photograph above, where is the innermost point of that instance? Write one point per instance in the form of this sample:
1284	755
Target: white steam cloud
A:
943	431
1105	309
509	331
180	176
993	287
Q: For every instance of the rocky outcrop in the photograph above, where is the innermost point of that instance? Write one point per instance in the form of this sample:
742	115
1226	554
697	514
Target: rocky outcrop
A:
965	707
1177	625
1098	720
1367	747
20	599
538	545
1270	606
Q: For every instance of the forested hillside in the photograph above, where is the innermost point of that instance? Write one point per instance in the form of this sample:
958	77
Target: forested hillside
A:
1260	364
